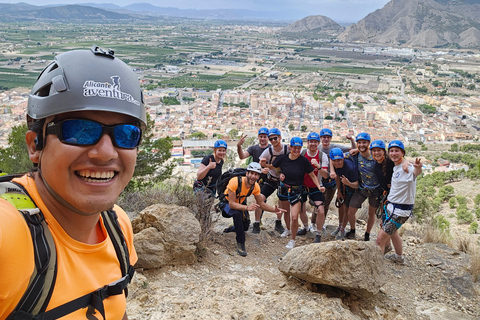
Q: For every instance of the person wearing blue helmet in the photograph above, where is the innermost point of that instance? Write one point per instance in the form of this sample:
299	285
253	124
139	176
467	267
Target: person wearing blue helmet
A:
270	185
326	135
369	186
293	167
319	161
347	182
211	167
400	200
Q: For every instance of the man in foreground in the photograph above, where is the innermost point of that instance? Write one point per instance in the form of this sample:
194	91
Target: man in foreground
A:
85	117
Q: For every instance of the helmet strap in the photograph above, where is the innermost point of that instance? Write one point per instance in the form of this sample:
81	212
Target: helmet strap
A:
57	197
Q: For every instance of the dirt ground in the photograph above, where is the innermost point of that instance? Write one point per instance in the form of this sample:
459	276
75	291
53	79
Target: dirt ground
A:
433	284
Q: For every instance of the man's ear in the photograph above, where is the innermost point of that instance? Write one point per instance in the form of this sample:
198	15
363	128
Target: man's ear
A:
33	153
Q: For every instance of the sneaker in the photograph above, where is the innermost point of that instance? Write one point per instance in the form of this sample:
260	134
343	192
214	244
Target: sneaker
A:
290	244
318	238
397	259
350	234
302	232
388	248
340	235
230	228
313	228
256	227
241	249
367	237
286	233
278	226
334	233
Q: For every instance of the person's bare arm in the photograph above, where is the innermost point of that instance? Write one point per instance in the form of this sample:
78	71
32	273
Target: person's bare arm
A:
203	169
242	154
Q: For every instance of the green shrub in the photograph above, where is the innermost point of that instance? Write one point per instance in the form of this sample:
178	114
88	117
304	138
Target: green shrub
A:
441	223
463	215
452	202
473	227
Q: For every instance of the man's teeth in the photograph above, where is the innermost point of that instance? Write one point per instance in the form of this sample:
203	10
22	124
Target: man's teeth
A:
95	176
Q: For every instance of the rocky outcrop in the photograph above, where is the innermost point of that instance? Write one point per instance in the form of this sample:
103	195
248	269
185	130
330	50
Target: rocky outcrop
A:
165	235
354	266
420	23
319	24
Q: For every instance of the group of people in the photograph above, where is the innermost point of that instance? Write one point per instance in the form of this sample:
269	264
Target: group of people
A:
364	169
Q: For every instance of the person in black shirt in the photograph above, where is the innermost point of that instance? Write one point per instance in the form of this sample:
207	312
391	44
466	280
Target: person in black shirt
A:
293	167
211	168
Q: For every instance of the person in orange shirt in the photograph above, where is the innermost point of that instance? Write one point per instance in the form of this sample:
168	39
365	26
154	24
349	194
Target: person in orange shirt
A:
237	206
85	117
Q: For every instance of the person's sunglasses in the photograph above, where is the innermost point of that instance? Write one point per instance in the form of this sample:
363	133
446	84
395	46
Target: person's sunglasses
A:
83	132
273	138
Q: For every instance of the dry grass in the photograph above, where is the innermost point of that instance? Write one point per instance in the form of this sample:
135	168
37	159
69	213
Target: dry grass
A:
174	191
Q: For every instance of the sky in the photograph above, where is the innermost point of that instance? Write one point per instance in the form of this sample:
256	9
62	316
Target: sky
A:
338	10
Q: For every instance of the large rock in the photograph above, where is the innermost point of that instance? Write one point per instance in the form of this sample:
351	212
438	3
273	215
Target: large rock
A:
165	235
354	266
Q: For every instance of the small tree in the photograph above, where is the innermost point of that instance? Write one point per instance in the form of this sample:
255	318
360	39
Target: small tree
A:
303	128
233	133
14	158
291	127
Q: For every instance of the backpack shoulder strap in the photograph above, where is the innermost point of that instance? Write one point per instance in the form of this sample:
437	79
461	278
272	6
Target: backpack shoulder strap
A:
285	149
270	150
37	295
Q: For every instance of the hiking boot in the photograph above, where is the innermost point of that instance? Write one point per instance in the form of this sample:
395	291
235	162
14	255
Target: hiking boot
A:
278	226
290	244
340	235
302	232
397	259
256	227
241	249
318	238
334	233
286	233
313	228
230	228
367	237
388	248
350	234
262	227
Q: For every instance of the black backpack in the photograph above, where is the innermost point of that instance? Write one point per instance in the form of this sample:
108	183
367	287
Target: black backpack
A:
35	299
222	183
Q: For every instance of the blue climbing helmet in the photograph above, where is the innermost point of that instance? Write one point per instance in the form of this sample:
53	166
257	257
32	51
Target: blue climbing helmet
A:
336	153
296	142
274	131
263	130
326	132
220	144
396	143
363	136
377	144
313	136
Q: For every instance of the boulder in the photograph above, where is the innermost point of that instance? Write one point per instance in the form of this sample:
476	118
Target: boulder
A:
165	235
354	266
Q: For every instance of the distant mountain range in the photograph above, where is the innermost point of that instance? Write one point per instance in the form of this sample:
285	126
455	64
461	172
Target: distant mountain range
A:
417	23
108	11
420	23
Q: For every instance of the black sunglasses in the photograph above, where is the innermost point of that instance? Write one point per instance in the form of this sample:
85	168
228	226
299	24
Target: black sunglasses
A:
84	132
273	138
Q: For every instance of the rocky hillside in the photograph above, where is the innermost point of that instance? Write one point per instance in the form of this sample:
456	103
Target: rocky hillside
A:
435	283
314	24
420	23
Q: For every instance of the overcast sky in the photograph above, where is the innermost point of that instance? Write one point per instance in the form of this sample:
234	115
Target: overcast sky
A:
338	10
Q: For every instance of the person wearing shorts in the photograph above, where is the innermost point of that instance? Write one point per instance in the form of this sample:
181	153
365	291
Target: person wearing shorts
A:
319	161
269	186
400	200
347	180
293	167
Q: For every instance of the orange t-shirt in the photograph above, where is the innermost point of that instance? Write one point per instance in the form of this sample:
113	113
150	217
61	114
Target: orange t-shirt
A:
81	268
233	185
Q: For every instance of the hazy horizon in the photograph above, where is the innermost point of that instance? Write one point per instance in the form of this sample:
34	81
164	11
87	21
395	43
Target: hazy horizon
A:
338	10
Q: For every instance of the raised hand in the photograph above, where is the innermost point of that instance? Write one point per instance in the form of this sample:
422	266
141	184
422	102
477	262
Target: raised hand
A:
241	141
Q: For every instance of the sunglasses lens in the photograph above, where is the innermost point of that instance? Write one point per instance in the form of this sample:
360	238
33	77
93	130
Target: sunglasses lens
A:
127	135
81	132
